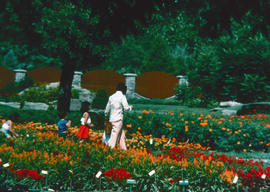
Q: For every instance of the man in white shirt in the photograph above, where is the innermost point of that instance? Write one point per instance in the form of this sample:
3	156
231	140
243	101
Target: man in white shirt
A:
117	103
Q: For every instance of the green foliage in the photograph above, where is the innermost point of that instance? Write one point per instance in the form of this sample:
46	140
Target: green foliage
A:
100	99
165	45
157	57
10	59
220	133
193	97
43	94
228	67
125	57
12	89
40	94
254	88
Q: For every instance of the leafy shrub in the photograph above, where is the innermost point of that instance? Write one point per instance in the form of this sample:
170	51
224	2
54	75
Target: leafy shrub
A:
43	95
192	96
100	100
13	88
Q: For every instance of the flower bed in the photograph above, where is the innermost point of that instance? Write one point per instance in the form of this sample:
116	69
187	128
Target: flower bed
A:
238	133
72	165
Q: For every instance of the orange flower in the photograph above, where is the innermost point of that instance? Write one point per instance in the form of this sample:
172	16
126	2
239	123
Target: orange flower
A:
181	114
139	117
145	111
186	128
261	142
223	128
238	142
210	130
227	175
170	129
128	125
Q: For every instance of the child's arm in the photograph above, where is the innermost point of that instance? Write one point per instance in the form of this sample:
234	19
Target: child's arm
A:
10	128
68	123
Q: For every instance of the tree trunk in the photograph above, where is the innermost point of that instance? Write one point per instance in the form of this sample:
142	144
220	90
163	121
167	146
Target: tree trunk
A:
65	87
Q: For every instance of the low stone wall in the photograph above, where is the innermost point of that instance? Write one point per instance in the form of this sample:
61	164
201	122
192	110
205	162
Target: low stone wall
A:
156	85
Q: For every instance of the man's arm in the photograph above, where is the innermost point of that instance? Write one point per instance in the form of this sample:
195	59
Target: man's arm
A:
125	104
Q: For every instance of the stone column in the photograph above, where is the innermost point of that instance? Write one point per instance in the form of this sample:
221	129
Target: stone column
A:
182	80
19	74
77	78
130	83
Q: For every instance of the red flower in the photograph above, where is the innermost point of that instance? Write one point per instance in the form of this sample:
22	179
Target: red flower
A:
29	173
118	174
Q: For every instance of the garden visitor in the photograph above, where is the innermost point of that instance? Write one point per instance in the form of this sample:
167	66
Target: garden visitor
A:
63	125
114	112
7	129
83	132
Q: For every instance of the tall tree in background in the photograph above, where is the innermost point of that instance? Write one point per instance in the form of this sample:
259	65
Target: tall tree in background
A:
73	31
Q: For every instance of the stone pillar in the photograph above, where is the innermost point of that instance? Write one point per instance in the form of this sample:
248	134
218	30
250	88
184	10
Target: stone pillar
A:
182	80
130	83
19	74
77	78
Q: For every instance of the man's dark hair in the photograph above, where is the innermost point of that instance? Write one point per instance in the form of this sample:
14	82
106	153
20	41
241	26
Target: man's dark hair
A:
121	87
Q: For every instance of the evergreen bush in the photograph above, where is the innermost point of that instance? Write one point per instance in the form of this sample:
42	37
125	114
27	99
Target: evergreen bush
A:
100	99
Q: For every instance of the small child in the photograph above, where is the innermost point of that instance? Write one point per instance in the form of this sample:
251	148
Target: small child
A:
7	129
63	125
83	132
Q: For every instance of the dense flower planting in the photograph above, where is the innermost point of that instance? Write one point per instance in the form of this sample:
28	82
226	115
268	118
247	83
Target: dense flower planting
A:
73	165
239	133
